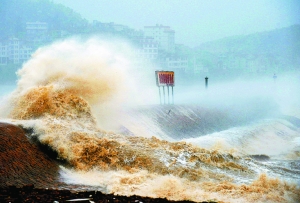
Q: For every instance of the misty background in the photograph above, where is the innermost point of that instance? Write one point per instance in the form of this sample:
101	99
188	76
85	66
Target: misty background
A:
222	40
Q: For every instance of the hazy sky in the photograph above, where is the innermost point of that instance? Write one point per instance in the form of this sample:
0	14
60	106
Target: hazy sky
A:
194	21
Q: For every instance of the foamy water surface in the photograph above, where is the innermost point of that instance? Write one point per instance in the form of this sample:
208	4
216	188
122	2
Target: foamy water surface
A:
81	99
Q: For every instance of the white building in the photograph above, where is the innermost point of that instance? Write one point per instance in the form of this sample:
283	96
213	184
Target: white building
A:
179	64
36	28
36	31
24	53
3	54
147	49
14	52
110	26
163	35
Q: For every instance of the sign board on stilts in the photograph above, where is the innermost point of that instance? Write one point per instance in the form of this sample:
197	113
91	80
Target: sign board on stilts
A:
165	78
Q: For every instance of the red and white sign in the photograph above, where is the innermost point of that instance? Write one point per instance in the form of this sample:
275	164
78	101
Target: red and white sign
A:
165	78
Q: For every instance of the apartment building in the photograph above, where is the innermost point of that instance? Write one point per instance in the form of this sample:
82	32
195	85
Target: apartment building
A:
3	54
179	64
146	49
36	32
163	35
13	51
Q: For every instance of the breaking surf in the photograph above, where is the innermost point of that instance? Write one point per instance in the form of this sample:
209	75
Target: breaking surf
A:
80	99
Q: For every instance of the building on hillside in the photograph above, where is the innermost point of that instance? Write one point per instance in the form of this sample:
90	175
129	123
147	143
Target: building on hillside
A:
112	27
146	49
119	28
176	64
3	54
255	64
24	53
37	32
116	29
199	68
163	35
14	52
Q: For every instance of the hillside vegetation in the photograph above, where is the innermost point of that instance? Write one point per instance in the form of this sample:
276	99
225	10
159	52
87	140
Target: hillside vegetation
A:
15	13
265	52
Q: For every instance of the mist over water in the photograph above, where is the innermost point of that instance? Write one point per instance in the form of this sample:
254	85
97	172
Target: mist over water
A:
90	102
282	91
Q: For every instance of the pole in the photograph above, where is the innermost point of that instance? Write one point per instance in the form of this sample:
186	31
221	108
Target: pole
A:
206	82
164	94
159	95
274	77
168	95
172	95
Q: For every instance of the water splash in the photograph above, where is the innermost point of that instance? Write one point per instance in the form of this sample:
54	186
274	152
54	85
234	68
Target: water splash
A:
70	93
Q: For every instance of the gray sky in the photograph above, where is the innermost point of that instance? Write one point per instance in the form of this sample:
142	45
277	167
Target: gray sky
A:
194	21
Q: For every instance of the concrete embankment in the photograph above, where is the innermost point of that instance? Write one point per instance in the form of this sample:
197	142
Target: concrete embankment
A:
178	122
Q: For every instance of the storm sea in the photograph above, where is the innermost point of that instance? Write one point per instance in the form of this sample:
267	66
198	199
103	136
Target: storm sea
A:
88	101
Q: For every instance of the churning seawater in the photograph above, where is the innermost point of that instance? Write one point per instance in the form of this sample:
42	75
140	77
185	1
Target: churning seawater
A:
90	103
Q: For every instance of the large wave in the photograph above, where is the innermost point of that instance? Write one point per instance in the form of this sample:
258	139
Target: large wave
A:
72	95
